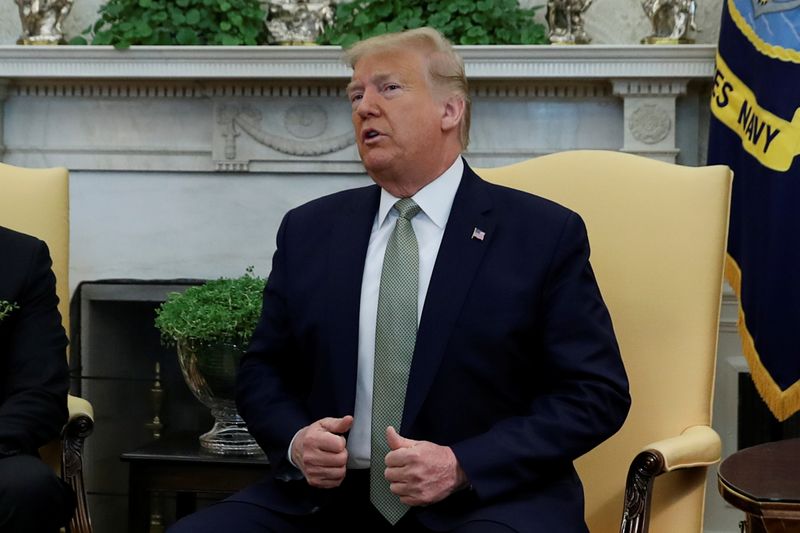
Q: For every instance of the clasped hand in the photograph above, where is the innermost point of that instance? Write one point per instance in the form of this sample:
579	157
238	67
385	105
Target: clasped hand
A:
419	472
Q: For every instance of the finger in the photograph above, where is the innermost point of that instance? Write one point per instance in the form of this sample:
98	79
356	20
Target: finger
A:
396	441
326	460
397	458
395	475
329	442
401	489
337	425
325	482
327	472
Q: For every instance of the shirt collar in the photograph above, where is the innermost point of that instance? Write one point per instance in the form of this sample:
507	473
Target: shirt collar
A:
435	199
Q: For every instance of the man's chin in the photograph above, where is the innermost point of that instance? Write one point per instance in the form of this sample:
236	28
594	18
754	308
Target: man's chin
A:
375	165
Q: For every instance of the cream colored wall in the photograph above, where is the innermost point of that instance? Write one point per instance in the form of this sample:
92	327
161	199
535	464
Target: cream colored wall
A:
607	21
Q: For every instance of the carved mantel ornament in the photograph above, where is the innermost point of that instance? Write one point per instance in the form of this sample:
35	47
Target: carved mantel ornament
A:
42	19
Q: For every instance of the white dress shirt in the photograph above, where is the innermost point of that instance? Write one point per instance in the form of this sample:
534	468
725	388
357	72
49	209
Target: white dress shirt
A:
435	201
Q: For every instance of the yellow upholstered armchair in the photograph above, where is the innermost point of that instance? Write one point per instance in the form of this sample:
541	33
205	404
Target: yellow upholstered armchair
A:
658	233
36	202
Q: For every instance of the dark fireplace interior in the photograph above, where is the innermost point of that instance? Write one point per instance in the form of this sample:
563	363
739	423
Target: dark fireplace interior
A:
115	349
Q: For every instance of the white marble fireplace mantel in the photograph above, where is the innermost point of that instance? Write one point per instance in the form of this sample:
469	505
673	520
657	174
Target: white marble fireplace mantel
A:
324	62
252	90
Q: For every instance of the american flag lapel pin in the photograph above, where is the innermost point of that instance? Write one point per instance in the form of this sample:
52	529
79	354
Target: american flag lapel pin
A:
478	234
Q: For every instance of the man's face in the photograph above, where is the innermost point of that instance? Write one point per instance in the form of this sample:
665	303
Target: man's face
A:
396	116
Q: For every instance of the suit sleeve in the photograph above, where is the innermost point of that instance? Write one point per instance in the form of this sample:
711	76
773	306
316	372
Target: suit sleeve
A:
585	398
270	383
36	378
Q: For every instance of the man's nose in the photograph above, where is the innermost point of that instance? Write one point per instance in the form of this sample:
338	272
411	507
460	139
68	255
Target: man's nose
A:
368	106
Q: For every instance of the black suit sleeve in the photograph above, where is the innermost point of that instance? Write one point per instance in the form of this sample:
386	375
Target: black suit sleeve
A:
268	388
34	376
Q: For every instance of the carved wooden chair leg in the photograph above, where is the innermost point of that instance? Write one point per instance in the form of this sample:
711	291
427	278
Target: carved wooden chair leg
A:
638	491
74	434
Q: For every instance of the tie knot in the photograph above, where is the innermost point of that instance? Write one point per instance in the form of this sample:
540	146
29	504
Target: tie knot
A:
407	208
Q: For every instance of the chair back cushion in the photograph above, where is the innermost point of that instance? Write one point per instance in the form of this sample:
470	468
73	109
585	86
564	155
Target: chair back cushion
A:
36	202
657	233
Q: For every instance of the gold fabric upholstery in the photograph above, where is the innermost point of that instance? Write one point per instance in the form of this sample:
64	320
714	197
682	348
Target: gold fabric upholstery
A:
658	234
36	202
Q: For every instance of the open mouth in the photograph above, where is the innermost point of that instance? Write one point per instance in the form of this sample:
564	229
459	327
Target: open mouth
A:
370	135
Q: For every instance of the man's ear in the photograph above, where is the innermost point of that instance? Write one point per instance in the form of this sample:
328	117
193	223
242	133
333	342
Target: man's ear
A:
452	112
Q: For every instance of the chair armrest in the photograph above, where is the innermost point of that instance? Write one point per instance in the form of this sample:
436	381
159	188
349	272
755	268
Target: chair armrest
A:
696	446
79	426
79	407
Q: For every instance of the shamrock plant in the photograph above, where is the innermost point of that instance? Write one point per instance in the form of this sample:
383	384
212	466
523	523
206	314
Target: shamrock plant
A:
6	308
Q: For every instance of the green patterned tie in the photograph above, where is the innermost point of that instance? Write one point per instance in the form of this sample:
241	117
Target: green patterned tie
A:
395	336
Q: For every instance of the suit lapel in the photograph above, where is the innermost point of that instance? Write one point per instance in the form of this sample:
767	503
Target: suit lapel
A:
456	264
347	251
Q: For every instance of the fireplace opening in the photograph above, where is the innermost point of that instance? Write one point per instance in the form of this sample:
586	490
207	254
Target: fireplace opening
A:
133	381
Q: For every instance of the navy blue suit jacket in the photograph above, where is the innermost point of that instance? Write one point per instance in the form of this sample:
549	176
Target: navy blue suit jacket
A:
516	366
33	358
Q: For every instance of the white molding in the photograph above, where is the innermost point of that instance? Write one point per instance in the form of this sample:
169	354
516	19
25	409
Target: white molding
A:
650	87
191	89
187	89
729	313
324	62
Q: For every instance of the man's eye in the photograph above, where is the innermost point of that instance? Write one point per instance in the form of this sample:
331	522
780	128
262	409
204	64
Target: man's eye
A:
355	97
391	86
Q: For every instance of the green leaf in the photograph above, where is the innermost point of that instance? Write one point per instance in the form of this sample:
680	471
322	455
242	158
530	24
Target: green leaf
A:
230	40
178	18
113	10
182	3
78	41
143	29
394	26
225	25
145	3
162	38
192	17
186	36
349	40
383	9
102	38
362	20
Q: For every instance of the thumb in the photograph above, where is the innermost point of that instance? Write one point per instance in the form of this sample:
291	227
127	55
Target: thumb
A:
337	425
396	441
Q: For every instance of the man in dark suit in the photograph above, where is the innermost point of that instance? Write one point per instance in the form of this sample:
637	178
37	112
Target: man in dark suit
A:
433	351
33	388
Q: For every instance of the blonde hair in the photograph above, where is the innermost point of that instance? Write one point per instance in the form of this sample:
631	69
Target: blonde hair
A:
445	66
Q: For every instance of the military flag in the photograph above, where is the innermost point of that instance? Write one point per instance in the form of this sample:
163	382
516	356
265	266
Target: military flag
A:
755	129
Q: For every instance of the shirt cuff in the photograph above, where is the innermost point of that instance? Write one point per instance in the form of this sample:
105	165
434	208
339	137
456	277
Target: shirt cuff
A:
289	451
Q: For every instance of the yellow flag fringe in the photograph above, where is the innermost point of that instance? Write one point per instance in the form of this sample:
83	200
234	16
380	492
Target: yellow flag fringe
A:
782	403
